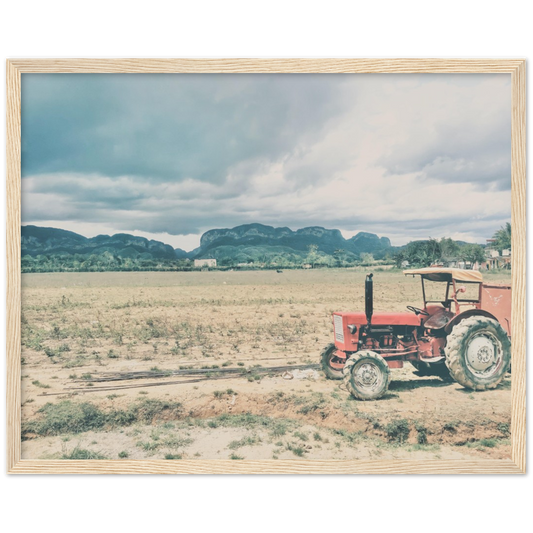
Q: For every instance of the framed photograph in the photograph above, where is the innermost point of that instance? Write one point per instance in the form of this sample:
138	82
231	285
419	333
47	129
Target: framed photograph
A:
266	266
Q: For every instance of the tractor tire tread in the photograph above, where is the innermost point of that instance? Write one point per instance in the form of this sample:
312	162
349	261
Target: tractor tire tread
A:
324	360
454	355
347	371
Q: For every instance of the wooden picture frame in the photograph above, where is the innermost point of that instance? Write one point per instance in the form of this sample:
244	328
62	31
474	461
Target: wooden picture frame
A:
515	67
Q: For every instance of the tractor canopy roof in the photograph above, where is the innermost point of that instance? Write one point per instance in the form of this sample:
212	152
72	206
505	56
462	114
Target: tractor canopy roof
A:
447	274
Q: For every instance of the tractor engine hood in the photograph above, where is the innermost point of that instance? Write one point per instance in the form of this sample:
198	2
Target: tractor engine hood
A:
383	319
348	325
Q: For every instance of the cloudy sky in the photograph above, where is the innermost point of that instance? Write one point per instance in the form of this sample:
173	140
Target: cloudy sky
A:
169	156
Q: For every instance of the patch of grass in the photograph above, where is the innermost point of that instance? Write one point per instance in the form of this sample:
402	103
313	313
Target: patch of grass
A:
317	436
299	451
422	433
311	405
66	417
81	454
78	417
149	410
279	428
148	446
451	426
31	337
350	436
424	448
57	333
488	443
173	456
504	428
302	436
485	443
37	383
235	457
398	430
123	455
176	441
74	363
245	441
50	352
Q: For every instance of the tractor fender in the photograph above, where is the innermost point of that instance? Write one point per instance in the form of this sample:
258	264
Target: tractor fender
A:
466	314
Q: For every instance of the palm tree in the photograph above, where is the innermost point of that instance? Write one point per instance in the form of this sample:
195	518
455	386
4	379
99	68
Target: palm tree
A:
503	237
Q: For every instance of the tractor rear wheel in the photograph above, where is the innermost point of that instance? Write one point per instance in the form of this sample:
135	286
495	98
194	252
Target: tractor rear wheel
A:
331	364
366	375
478	353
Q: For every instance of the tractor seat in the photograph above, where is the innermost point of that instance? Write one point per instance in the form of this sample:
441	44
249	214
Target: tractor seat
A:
438	319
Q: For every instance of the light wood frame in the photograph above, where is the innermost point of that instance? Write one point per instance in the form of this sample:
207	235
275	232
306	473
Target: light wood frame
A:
515	67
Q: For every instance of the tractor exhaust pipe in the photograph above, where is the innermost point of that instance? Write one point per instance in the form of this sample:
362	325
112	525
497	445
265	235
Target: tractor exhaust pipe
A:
369	298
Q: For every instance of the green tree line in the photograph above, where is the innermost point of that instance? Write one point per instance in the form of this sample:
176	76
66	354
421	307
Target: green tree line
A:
417	254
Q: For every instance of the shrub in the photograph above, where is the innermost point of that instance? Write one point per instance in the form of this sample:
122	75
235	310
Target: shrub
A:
398	430
422	437
70	417
80	453
67	417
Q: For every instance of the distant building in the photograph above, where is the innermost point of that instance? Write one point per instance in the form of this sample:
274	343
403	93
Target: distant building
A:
205	263
497	262
494	259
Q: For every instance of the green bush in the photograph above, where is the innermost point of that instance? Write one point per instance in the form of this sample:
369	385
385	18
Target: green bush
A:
67	417
398	430
80	453
71	417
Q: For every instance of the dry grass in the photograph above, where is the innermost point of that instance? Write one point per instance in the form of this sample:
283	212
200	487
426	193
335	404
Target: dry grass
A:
76	326
78	319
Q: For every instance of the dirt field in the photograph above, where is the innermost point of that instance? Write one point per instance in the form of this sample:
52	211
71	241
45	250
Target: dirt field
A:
80	329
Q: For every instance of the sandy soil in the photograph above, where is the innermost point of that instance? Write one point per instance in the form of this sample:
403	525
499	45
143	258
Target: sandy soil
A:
77	327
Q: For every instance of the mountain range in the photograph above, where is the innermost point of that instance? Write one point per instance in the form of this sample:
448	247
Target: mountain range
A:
243	243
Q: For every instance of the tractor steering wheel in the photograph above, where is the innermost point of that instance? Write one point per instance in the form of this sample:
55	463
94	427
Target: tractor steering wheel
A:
417	311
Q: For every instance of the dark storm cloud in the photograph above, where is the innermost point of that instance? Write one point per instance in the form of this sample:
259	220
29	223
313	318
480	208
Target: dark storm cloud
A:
409	156
168	126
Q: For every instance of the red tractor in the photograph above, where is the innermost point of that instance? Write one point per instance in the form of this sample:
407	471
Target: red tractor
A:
464	328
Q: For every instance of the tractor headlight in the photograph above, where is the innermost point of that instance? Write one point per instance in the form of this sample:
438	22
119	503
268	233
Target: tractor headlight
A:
352	328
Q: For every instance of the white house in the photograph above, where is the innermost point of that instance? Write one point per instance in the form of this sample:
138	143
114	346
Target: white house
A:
201	263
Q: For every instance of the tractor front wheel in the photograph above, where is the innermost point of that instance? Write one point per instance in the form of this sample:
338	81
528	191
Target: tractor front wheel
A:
366	375
478	353
332	365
